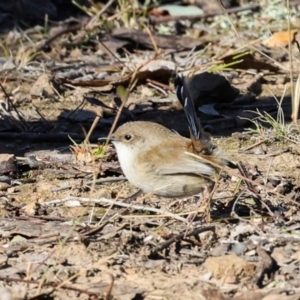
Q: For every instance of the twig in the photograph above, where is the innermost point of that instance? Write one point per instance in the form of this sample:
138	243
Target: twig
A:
13	106
244	173
94	230
79	107
263	156
95	122
48	284
46	122
278	152
179	237
226	11
165	19
103	180
91	23
110	287
70	29
254	145
164	86
233	213
117	203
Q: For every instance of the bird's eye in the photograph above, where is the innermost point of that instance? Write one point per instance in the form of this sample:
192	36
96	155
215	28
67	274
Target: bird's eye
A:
128	137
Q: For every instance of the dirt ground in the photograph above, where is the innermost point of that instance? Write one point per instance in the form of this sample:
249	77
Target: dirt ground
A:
68	227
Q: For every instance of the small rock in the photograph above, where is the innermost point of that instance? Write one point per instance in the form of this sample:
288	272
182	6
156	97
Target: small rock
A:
229	266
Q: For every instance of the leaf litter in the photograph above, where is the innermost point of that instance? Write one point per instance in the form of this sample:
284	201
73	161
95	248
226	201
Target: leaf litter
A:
69	225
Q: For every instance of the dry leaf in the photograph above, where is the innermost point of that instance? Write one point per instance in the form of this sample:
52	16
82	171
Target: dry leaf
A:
280	39
42	87
247	61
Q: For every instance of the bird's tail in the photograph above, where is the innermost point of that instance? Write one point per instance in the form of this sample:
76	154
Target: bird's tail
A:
187	103
201	141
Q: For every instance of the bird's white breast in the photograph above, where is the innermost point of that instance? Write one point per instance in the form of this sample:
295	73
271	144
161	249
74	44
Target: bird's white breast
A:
126	158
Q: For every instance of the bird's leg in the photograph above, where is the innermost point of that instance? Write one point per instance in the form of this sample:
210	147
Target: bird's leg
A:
203	207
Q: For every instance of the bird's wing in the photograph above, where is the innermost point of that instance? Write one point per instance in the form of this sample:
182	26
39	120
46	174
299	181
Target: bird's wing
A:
187	166
170	157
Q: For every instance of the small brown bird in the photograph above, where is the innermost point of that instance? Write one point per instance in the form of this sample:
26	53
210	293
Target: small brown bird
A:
156	159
